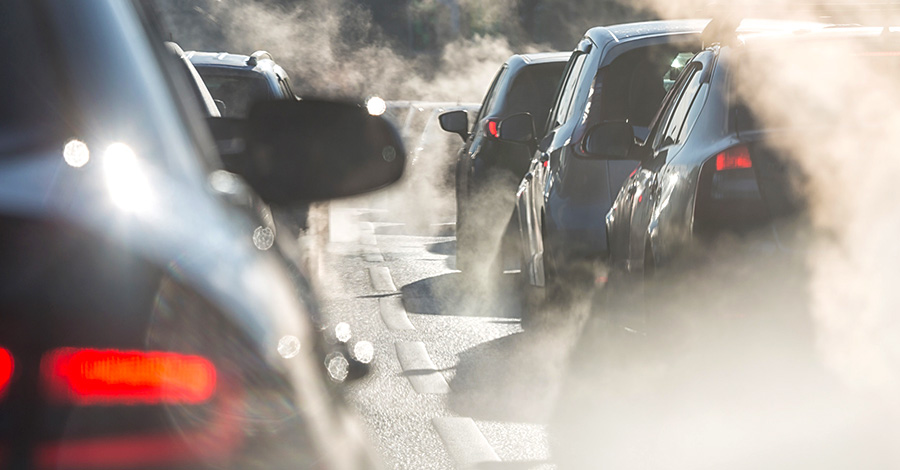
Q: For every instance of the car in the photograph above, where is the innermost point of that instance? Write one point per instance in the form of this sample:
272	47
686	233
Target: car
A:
239	80
618	72
139	328
739	294
709	171
489	169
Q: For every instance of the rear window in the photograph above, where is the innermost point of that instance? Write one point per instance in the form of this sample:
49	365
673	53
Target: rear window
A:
533	91
31	103
238	92
634	85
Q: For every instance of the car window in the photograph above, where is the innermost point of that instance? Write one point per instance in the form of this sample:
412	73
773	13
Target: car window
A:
30	95
673	118
661	119
679	114
563	107
489	98
633	86
533	90
238	92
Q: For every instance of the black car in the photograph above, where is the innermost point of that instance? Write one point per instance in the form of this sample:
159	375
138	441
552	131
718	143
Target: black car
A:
617	72
238	80
138	327
488	169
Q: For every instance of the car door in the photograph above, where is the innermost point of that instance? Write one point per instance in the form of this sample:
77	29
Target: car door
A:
530	196
644	186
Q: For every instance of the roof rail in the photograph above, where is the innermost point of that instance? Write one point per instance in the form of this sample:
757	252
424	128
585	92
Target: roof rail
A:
258	56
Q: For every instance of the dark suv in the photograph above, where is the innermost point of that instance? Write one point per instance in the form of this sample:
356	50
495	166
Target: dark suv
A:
238	80
488	169
619	73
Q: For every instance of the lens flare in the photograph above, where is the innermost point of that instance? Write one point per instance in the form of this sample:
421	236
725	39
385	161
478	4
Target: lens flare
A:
126	180
376	106
76	153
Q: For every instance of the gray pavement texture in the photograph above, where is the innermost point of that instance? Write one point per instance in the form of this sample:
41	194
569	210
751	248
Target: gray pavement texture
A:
452	385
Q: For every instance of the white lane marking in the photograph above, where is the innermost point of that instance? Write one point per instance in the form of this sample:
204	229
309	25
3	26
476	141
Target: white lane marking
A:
372	254
464	442
394	314
381	279
418	368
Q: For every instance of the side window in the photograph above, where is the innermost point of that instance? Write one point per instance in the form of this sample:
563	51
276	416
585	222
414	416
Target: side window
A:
676	105
679	115
489	98
563	108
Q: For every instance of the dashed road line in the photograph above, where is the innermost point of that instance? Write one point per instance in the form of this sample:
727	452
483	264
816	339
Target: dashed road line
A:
419	369
381	279
464	442
393	313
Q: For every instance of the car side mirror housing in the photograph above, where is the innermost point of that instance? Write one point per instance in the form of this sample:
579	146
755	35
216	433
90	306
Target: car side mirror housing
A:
517	128
611	140
303	151
456	122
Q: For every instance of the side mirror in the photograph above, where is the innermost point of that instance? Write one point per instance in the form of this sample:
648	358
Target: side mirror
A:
456	122
610	140
517	128
309	150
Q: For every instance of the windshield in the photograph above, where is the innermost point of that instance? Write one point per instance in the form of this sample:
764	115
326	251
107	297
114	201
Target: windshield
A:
237	91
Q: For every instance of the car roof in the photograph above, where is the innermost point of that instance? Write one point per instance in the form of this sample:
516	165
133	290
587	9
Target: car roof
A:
632	31
263	60
545	57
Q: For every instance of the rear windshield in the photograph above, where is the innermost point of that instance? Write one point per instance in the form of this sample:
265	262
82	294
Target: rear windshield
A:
31	103
237	92
634	85
533	91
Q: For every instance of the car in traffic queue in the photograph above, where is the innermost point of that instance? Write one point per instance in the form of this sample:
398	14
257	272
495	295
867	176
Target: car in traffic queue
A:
709	170
619	72
238	80
488	169
139	328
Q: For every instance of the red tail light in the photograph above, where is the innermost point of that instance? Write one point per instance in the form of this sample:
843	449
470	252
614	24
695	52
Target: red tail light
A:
110	377
734	158
492	127
7	365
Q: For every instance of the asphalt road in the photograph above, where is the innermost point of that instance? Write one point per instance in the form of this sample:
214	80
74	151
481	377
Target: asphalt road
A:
457	383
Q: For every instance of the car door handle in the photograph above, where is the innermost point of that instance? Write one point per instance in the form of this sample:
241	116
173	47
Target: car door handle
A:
529	176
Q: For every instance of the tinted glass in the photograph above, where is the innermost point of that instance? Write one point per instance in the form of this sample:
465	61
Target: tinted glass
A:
634	85
679	115
489	98
564	105
533	90
238	92
31	105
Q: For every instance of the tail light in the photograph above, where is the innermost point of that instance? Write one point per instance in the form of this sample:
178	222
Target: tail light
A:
7	365
735	158
492	128
728	196
112	377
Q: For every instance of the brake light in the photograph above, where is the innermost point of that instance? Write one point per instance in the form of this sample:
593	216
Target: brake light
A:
493	128
111	377
734	158
7	365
